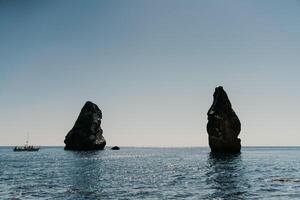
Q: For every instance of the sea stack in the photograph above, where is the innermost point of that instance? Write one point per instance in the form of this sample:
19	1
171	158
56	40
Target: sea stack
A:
223	125
86	133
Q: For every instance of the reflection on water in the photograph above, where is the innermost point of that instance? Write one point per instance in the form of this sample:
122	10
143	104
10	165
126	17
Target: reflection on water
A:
86	174
225	176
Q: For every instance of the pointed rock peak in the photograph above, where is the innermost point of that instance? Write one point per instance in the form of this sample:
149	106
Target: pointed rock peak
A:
90	106
221	100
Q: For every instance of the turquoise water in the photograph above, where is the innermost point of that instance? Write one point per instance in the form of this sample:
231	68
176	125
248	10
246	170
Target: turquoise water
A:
150	173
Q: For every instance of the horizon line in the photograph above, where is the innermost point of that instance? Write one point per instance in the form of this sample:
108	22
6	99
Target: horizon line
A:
249	146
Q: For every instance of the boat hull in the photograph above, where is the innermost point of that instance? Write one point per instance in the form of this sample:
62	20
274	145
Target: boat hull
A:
26	148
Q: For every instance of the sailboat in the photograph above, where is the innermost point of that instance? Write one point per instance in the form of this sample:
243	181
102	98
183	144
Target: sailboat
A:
26	147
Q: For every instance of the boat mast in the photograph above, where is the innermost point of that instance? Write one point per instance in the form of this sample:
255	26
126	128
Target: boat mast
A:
27	139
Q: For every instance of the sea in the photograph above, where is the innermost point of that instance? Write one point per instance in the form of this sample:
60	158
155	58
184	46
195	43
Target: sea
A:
150	173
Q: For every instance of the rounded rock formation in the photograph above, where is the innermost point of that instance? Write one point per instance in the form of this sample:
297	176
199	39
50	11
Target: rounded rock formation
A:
115	148
86	134
223	125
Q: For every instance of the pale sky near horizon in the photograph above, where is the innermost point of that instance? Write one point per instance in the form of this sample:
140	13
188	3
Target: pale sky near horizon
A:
151	67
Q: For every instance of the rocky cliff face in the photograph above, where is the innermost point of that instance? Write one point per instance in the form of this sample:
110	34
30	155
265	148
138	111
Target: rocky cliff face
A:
223	125
86	134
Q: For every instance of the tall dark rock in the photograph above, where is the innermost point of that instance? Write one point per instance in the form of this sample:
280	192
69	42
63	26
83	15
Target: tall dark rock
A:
223	125
86	134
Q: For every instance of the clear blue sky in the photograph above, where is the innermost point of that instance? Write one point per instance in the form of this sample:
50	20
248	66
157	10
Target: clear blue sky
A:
151	66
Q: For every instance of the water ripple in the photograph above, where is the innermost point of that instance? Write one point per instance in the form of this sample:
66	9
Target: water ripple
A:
150	173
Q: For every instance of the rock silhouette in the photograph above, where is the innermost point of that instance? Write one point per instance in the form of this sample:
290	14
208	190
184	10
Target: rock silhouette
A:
223	125
86	133
115	148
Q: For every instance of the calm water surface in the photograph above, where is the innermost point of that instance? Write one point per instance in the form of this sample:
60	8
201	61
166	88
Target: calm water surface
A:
150	173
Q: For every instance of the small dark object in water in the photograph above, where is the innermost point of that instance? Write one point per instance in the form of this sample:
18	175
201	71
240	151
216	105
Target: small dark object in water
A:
223	125
115	148
286	180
